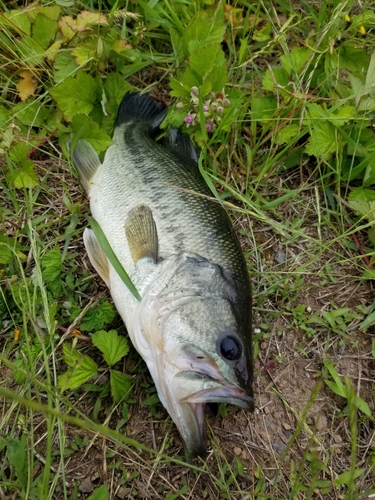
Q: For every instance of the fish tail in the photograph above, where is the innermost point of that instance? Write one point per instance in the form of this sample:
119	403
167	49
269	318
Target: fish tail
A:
140	108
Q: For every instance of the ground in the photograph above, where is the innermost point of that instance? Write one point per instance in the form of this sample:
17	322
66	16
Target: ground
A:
300	434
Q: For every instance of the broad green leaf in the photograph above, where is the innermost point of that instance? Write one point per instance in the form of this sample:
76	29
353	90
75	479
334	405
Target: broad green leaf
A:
369	177
51	11
115	86
348	476
362	201
204	30
370	76
202	61
19	153
17	456
19	18
121	385
218	75
24	177
64	66
75	95
275	76
100	493
342	116
352	58
91	131
82	54
365	17
178	89
285	134
98	317
296	59
52	264
323	140
82	368
5	253
33	113
263	108
5	116
51	271
111	344
44	30
71	355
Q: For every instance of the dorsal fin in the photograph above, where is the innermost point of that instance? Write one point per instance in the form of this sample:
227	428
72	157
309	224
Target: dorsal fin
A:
179	144
141	233
140	108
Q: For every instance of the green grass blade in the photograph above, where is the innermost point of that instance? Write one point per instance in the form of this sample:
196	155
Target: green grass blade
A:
104	243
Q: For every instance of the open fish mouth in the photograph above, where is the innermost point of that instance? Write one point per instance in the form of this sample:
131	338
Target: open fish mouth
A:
195	390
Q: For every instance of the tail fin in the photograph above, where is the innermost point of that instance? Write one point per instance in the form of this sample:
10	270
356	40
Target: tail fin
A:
136	107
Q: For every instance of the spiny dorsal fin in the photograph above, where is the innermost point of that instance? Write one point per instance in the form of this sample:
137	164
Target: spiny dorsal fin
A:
96	255
135	107
86	161
141	233
179	144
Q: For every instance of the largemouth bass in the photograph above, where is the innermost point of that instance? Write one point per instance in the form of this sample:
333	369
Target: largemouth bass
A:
192	325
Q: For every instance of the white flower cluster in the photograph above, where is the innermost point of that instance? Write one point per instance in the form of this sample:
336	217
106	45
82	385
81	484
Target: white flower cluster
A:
213	108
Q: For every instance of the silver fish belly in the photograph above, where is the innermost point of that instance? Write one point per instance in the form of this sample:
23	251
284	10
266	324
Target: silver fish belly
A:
192	325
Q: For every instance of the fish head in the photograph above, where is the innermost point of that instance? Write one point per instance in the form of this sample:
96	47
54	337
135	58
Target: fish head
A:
200	348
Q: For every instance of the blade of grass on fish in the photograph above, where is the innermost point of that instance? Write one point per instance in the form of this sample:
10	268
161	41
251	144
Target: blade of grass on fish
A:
104	243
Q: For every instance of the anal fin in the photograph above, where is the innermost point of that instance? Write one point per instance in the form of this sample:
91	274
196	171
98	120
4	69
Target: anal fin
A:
96	255
141	233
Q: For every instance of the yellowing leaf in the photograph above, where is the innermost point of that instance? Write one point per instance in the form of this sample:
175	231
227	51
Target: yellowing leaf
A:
82	54
85	18
52	52
120	45
27	85
69	26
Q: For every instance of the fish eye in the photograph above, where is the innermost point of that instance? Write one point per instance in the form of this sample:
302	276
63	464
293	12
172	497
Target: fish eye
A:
230	348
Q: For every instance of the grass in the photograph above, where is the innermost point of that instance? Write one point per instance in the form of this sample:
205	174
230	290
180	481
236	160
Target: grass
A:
291	158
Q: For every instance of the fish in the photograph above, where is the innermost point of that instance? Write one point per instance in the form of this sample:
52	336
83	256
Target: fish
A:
192	324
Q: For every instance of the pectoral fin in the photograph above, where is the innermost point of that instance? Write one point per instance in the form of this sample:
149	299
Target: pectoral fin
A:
86	161
96	255
141	233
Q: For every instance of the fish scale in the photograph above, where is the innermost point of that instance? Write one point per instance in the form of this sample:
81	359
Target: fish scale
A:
192	325
203	225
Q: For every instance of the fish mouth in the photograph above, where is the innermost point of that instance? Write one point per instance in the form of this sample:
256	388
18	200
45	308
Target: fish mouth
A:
195	391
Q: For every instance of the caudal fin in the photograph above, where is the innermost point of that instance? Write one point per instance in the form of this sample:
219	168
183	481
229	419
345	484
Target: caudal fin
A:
136	107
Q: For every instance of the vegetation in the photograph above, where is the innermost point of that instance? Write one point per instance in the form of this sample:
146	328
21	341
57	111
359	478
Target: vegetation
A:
279	98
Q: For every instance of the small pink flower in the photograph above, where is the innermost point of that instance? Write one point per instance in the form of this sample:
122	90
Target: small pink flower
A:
208	127
188	119
205	107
